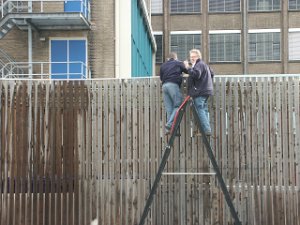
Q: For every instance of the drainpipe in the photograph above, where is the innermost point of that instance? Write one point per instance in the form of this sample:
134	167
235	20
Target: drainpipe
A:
245	36
117	40
30	41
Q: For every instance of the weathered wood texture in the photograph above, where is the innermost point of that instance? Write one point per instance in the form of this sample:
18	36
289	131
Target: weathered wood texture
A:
75	151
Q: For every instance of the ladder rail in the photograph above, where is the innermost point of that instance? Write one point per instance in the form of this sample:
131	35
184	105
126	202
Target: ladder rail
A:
216	167
175	127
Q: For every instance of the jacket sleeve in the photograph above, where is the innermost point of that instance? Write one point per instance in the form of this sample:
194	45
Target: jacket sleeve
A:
194	73
211	72
182	67
160	74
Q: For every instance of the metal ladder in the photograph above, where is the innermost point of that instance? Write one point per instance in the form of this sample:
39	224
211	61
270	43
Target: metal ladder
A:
175	128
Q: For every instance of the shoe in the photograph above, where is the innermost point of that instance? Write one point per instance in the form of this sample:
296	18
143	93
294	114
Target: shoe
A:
197	133
167	130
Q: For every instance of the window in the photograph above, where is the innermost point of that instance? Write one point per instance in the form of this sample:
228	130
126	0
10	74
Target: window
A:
185	6
68	59
264	5
264	45
225	46
294	4
156	7
159	44
183	42
294	44
224	5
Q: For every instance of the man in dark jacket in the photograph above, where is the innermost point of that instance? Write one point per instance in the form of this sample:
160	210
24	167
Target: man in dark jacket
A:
171	77
200	87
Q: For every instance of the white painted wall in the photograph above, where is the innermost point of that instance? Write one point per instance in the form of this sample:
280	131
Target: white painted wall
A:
123	38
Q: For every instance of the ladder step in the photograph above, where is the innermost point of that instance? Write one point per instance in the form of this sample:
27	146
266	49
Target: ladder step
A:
189	173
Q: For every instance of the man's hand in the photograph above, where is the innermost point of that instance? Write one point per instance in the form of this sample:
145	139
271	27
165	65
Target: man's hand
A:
186	64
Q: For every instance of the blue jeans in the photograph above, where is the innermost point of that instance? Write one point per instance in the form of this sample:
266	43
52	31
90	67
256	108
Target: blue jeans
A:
202	109
172	99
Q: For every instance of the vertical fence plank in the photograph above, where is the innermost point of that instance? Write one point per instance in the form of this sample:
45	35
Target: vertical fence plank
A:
129	207
297	146
280	97
141	149
285	163
100	152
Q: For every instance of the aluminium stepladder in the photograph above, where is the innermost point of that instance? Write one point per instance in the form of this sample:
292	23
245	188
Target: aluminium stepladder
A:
177	120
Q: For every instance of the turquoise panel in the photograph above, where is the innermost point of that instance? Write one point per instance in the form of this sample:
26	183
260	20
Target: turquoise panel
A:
141	47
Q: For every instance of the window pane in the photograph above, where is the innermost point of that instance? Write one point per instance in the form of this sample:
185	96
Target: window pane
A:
264	46
294	46
183	43
159	45
252	5
224	5
276	4
216	6
185	6
224	47
263	5
294	4
232	6
156	6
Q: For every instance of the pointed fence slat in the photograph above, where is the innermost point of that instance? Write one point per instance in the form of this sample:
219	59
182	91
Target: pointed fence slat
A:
76	151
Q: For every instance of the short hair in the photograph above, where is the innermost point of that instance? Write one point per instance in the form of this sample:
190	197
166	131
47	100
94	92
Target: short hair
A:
172	55
197	52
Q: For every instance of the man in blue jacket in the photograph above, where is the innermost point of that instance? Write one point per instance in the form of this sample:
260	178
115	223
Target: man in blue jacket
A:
171	77
200	87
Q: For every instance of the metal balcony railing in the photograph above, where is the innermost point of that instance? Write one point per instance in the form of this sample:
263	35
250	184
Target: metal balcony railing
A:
45	70
44	6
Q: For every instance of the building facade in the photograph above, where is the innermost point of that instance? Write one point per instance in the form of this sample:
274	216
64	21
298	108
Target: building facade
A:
77	39
235	36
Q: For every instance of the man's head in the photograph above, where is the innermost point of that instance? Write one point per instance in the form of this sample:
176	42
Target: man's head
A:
172	55
195	54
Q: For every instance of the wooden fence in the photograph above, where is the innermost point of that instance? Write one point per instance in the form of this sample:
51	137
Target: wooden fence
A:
77	151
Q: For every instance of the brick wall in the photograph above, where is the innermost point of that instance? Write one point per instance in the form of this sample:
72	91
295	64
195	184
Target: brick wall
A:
101	39
101	44
48	6
15	44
